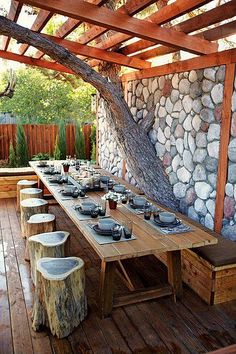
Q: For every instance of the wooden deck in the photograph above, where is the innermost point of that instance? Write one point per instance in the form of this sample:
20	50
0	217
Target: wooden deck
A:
160	326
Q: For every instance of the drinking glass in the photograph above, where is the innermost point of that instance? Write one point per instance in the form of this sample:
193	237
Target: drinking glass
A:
94	212
147	212
116	232
124	198
128	228
102	207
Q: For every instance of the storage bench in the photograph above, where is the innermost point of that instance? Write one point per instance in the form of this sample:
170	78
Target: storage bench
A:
210	270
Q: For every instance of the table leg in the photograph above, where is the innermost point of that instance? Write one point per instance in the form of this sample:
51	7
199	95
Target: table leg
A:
174	272
106	287
40	184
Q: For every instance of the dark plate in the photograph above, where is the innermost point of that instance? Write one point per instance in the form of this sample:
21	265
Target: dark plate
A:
101	232
84	212
45	165
96	189
135	206
167	224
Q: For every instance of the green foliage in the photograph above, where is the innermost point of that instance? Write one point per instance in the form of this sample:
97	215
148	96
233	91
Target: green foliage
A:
62	140
12	156
40	97
79	143
41	156
21	147
57	153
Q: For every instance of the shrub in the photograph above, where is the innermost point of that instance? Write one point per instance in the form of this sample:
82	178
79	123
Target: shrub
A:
12	156
57	152
41	156
21	147
79	143
93	143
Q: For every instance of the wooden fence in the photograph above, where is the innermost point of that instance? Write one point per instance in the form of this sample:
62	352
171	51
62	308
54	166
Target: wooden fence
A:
41	138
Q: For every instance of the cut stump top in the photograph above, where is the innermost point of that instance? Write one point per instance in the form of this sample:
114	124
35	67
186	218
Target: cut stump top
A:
26	182
31	191
58	268
41	218
33	202
50	239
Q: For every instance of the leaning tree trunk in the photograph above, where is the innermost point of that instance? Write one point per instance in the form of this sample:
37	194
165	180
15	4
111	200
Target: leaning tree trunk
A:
132	138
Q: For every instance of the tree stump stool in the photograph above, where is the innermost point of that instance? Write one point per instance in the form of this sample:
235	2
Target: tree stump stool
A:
27	193
37	224
24	183
49	244
30	207
60	301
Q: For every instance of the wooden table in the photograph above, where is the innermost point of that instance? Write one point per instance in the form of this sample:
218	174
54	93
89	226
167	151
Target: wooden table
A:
148	241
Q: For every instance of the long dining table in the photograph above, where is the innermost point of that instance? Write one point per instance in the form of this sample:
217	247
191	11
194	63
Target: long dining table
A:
148	241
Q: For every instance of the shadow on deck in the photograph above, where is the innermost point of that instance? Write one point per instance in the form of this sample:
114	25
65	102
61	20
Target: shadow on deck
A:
160	326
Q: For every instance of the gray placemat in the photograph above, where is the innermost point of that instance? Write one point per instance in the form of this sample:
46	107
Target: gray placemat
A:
135	211
103	240
82	217
179	229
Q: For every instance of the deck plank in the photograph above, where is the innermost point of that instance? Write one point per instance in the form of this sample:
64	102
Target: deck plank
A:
160	326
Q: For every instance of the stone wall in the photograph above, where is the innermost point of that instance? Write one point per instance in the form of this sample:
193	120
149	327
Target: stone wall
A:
186	135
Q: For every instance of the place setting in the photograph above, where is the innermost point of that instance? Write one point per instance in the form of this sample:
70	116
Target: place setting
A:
136	203
108	230
89	209
164	221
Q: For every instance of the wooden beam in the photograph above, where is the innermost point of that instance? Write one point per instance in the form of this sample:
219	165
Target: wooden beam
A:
224	142
34	62
13	15
212	34
208	18
41	20
84	11
69	26
215	59
100	54
130	8
161	16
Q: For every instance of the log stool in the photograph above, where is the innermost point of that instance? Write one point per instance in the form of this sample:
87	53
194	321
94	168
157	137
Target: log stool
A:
37	224
30	207
27	193
49	244
60	302
24	183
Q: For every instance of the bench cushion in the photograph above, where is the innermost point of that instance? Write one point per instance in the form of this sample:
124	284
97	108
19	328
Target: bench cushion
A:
223	253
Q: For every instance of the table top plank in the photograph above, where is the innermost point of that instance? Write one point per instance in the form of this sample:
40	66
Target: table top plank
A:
149	239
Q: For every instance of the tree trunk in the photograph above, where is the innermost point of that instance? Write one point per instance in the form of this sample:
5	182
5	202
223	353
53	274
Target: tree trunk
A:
51	244
30	207
27	193
24	183
132	139
60	302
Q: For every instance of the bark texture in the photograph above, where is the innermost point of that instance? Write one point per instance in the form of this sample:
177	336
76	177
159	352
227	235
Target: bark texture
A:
132	140
51	244
60	302
30	207
24	183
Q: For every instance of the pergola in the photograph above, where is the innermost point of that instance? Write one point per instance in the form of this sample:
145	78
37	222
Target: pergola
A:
197	35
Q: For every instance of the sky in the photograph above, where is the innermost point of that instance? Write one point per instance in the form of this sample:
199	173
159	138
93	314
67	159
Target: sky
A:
27	21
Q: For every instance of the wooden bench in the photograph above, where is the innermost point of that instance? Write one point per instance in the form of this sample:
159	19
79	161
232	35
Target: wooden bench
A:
9	177
210	270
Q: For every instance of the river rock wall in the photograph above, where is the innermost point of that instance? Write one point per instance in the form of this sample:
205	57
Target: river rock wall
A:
186	136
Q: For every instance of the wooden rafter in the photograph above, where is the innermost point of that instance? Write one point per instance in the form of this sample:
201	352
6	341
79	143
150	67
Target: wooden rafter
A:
208	18
34	62
165	14
69	26
130	8
13	15
100	54
41	20
123	23
212	34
